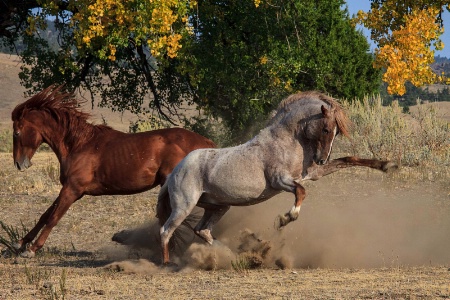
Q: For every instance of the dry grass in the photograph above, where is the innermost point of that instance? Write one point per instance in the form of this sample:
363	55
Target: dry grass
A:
81	262
89	283
420	140
360	235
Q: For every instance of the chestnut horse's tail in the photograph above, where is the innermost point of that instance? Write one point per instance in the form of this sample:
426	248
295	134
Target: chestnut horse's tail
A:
163	208
180	239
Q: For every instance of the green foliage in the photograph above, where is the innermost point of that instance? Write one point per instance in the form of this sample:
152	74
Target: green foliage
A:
246	59
413	94
210	128
239	63
146	125
10	235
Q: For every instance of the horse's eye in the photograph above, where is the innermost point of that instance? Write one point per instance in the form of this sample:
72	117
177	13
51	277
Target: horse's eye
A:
16	133
326	131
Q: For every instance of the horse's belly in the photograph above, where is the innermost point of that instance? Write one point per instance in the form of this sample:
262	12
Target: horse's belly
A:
237	197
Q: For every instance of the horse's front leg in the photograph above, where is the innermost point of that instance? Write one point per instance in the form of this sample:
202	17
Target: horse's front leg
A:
315	172
292	215
30	236
47	221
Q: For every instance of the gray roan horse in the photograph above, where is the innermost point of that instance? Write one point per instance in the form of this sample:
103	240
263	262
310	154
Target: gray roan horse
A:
293	148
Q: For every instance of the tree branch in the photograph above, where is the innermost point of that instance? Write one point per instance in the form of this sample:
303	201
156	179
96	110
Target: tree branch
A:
149	78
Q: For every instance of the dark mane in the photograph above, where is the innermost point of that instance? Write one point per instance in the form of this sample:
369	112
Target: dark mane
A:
63	108
342	120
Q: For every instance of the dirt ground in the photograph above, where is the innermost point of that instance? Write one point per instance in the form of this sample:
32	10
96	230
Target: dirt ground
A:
360	234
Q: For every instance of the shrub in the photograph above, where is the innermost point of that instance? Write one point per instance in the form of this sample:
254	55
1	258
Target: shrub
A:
6	141
385	132
151	123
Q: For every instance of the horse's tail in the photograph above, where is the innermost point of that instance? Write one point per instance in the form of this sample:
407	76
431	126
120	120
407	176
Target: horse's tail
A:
163	208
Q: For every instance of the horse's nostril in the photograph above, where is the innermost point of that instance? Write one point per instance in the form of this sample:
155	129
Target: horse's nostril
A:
321	162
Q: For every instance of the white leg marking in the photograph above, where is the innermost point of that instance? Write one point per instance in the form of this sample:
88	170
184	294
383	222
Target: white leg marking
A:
295	211
331	145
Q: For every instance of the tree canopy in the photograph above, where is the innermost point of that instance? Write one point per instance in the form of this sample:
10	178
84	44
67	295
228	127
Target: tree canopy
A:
405	31
234	59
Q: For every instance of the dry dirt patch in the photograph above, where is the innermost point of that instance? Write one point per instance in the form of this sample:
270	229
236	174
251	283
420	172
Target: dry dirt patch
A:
360	235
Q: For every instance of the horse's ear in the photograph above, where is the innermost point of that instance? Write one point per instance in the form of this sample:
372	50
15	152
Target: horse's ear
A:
325	111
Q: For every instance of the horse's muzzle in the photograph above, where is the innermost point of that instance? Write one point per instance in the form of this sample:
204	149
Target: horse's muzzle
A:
319	160
22	166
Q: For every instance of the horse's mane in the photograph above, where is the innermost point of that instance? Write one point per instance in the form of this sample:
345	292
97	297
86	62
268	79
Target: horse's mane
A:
342	120
61	106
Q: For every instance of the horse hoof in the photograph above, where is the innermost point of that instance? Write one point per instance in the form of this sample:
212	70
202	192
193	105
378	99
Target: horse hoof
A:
17	246
28	254
169	265
390	166
281	221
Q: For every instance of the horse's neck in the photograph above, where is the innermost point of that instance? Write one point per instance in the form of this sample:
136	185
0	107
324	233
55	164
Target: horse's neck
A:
61	140
273	134
54	136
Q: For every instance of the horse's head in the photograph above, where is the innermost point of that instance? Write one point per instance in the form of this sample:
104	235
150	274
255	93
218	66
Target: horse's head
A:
27	138
321	132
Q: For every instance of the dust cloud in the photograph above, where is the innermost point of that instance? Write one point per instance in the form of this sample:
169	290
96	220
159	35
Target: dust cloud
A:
355	221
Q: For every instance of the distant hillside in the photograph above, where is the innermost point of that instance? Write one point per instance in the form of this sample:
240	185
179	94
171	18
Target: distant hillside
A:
12	93
441	65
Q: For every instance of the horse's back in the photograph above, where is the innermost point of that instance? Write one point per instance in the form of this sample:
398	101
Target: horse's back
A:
232	175
185	139
129	163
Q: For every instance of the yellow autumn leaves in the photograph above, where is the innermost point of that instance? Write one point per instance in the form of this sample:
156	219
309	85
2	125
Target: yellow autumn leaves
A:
404	49
405	35
114	23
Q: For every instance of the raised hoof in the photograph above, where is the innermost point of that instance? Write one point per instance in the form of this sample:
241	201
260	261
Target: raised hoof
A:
282	221
205	234
390	166
27	254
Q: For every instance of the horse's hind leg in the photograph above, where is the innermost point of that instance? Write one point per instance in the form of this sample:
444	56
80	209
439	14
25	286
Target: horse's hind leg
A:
181	208
209	219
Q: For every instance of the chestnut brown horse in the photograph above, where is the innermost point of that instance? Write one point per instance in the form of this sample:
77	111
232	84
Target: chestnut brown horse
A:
94	159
